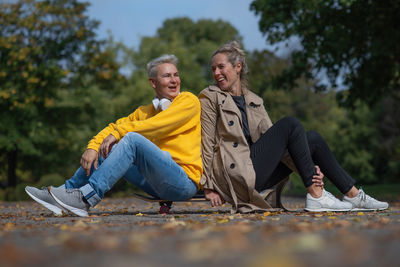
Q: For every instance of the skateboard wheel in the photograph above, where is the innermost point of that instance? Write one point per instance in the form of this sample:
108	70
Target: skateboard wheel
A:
164	209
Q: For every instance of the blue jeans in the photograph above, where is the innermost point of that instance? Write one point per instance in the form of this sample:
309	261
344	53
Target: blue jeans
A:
143	164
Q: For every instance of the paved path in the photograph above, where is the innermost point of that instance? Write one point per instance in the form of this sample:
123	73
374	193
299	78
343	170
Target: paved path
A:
130	232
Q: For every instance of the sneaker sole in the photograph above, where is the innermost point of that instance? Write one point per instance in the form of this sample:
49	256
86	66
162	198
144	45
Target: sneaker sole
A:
324	209
56	210
361	209
76	211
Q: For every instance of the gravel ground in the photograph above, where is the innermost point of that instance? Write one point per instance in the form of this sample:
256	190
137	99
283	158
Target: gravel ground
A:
130	232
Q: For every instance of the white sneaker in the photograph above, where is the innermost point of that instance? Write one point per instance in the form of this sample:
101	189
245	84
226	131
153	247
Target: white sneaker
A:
327	202
364	202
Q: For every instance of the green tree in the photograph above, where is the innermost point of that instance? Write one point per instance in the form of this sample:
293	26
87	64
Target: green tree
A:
356	38
48	51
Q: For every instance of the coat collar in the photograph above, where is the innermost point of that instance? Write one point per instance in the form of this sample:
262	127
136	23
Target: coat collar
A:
250	97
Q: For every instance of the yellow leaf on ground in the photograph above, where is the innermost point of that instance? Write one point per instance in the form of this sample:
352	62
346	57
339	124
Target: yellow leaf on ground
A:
222	220
172	223
9	226
360	213
80	224
384	220
64	227
267	213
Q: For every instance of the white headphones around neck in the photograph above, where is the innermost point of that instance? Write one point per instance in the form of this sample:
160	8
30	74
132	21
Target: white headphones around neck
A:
162	104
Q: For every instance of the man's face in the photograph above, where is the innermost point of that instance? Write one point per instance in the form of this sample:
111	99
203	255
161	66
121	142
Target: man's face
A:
167	83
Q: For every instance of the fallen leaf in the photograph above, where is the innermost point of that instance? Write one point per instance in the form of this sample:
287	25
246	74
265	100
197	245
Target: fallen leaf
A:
222	220
64	227
384	220
172	223
79	224
95	221
342	223
9	226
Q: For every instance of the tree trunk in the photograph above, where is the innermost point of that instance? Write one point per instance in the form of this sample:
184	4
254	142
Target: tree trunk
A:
12	166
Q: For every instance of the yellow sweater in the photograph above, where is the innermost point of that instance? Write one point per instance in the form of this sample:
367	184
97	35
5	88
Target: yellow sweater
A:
176	130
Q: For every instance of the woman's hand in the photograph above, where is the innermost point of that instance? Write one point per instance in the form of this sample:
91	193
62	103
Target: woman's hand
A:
88	158
318	177
107	144
214	197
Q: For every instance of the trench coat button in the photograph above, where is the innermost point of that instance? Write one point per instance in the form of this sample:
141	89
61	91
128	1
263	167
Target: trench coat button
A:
223	101
235	144
232	165
230	123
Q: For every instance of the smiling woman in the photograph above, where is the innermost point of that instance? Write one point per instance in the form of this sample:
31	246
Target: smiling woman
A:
245	156
226	75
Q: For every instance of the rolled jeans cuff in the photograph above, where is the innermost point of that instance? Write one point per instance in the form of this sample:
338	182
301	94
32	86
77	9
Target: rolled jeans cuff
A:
90	195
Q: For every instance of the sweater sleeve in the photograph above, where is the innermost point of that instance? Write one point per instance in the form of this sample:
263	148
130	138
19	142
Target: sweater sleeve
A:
96	141
178	118
208	132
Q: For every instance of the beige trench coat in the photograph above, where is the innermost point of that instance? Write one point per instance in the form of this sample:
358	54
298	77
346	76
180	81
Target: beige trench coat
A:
227	165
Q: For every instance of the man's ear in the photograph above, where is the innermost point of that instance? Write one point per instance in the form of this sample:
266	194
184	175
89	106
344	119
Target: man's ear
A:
152	82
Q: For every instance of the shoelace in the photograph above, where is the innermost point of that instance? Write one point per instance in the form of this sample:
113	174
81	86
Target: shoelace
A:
330	194
364	197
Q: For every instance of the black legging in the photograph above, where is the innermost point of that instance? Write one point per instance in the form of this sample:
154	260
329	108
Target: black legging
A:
306	149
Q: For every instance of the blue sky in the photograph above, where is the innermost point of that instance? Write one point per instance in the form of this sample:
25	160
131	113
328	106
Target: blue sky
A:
129	20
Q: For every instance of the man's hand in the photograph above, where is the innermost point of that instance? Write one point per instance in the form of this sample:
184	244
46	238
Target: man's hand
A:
318	178
107	144
88	158
214	197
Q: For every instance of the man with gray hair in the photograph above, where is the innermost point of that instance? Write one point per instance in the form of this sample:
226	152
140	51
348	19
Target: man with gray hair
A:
156	148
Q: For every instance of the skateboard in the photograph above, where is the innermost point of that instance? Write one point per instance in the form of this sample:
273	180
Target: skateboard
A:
165	205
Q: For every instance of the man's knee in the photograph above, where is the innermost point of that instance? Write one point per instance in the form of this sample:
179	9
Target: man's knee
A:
132	137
